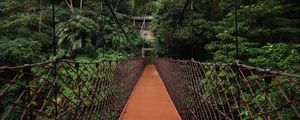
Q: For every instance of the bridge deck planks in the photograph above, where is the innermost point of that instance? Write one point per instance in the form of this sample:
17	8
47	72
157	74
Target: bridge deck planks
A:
150	99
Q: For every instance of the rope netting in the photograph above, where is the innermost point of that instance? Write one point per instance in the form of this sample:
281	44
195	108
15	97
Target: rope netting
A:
68	90
229	91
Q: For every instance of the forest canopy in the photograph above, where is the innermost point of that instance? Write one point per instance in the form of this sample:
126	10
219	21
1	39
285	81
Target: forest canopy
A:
268	30
84	29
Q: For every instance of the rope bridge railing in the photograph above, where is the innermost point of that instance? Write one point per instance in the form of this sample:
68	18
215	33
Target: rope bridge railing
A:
229	91
67	90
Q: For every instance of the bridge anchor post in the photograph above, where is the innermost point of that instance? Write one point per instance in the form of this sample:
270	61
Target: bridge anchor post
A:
27	77
236	69
268	76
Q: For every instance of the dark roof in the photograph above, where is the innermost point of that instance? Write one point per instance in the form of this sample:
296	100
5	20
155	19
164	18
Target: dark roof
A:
142	18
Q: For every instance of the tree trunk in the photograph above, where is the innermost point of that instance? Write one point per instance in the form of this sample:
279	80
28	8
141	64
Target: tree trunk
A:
116	8
70	5
40	17
80	6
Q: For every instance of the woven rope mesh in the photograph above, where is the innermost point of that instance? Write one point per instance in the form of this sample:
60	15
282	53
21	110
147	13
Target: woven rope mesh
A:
68	90
229	91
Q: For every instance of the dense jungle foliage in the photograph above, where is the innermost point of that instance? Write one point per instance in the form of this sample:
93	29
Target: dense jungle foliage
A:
268	31
83	29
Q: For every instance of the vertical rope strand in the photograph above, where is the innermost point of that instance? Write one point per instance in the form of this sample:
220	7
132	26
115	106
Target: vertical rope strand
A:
236	28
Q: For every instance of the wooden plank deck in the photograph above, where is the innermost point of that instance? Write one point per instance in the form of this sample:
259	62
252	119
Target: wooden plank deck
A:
150	99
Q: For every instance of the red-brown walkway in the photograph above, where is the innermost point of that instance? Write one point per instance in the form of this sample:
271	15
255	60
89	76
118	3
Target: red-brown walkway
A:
150	99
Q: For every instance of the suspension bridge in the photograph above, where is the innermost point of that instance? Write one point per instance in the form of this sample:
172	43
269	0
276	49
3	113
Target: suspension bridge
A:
131	90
